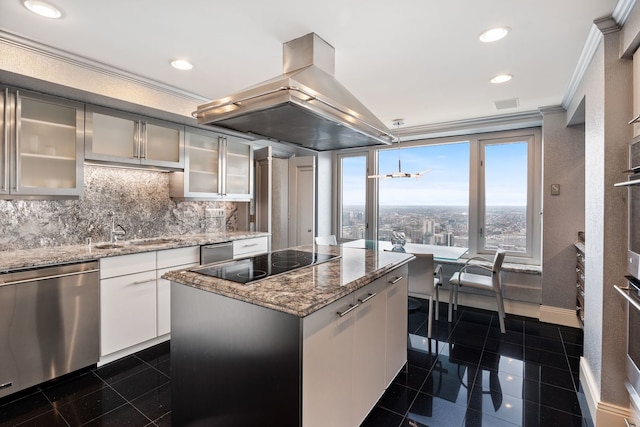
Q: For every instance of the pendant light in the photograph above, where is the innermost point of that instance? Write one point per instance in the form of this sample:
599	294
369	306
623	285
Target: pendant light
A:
399	174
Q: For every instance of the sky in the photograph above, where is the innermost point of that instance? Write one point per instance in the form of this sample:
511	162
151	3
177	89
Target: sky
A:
447	181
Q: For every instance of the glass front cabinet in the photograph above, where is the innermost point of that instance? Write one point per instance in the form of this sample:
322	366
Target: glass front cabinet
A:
118	137
216	166
42	146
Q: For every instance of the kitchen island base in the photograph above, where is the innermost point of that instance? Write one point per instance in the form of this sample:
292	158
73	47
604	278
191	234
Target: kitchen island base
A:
234	363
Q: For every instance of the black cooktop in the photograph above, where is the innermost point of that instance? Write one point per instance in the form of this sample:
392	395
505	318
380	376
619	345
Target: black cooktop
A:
247	270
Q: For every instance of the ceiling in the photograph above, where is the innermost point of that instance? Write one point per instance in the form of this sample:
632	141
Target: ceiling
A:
412	59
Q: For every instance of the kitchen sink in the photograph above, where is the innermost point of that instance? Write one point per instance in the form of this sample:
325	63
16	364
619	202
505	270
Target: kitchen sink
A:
108	245
158	241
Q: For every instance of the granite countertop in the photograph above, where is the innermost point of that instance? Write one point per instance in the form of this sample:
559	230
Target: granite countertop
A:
304	291
74	253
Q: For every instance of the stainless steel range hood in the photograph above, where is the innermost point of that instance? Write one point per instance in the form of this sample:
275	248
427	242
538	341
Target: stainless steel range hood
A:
305	106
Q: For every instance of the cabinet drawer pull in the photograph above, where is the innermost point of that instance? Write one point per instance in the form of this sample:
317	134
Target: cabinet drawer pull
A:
141	282
250	245
396	280
362	301
635	119
351	308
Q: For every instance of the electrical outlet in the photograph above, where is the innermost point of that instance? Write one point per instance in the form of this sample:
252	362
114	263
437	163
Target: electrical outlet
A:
214	213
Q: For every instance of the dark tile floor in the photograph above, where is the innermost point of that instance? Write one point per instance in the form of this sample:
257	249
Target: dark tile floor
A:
468	375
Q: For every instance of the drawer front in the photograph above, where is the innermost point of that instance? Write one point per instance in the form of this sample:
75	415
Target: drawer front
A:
255	245
173	257
127	264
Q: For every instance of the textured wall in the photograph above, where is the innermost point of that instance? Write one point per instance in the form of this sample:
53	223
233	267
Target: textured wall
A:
563	153
138	198
606	89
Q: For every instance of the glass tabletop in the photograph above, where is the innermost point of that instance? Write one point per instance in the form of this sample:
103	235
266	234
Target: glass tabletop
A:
440	253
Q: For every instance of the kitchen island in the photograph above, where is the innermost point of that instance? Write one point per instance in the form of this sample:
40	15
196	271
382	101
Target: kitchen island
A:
314	346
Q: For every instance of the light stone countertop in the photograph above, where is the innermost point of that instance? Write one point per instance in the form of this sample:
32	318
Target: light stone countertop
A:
24	258
306	290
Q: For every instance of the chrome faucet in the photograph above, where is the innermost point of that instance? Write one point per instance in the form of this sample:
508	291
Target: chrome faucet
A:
114	229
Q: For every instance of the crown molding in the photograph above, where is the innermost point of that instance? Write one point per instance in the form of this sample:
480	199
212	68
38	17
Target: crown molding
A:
552	109
601	26
94	66
622	11
476	125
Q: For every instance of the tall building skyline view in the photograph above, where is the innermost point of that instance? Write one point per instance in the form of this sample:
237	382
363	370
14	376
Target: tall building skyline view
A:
505	226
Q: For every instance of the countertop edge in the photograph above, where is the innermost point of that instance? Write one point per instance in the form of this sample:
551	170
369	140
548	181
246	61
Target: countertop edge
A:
232	290
41	257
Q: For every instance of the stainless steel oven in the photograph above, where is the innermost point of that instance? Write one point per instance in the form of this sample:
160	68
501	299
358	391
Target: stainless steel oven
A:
632	294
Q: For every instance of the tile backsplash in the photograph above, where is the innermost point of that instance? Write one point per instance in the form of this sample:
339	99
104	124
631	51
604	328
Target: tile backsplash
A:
139	199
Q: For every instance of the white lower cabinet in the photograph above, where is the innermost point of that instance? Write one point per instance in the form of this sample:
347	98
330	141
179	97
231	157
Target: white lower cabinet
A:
346	360
397	296
369	345
249	247
134	300
326	365
127	301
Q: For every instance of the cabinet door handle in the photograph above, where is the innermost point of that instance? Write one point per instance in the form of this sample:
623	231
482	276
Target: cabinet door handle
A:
141	282
136	139
143	141
351	308
362	301
16	184
5	178
396	280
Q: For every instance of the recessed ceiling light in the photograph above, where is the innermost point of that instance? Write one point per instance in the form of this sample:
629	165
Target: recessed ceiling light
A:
494	34
501	78
43	9
181	64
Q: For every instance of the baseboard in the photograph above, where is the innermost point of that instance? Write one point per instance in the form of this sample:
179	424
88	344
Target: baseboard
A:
519	308
604	414
545	313
133	349
559	316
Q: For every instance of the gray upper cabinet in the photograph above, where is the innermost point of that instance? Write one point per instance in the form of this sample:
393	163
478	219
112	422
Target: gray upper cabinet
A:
216	166
118	137
42	146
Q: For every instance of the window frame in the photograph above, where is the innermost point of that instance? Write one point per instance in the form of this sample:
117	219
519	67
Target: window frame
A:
533	173
477	142
370	196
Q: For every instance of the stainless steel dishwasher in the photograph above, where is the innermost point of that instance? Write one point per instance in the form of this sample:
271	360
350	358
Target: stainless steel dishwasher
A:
49	323
216	252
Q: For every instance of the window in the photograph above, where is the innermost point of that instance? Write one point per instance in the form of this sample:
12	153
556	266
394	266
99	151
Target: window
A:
480	191
432	209
353	190
503	216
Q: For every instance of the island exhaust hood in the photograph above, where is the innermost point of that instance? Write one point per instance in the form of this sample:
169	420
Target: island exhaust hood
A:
305	105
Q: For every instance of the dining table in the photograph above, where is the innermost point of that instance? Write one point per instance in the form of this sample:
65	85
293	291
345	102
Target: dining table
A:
440	253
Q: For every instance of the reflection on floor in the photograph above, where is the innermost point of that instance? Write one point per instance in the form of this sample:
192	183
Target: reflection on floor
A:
468	375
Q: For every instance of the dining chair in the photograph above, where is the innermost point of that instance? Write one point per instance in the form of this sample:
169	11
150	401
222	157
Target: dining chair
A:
424	280
326	240
490	282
